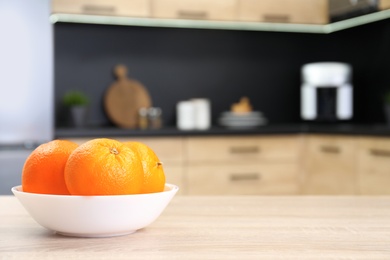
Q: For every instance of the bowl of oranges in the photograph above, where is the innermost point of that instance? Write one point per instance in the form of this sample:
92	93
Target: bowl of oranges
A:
100	188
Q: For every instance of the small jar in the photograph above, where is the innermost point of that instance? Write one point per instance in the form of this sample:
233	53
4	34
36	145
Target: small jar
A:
154	115
143	118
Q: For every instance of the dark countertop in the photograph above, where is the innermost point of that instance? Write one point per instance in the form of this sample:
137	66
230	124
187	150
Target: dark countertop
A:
337	129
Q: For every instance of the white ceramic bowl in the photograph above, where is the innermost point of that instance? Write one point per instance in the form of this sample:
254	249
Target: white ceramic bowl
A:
95	216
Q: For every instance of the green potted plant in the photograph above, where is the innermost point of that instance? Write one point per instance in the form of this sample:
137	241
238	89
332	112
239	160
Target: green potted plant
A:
77	102
387	106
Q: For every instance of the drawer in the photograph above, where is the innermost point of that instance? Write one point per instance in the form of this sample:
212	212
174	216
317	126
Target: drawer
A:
168	150
336	148
284	11
374	166
139	8
243	179
195	9
236	149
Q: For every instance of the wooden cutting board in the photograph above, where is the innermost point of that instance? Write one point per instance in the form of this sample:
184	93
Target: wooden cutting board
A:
124	98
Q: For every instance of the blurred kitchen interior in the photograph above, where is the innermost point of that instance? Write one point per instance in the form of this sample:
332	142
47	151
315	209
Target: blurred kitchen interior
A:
44	57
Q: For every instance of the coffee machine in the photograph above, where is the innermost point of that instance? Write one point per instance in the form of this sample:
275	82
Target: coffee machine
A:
326	92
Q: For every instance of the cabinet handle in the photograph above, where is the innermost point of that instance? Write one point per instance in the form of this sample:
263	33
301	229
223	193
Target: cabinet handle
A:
93	9
330	149
245	176
379	152
276	18
245	149
192	14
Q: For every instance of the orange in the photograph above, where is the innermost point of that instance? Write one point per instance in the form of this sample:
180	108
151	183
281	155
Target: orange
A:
103	167
43	170
154	176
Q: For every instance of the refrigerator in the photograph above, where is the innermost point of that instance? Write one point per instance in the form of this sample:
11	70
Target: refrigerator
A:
26	84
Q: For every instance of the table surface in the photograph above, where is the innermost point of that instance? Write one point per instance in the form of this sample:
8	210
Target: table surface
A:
240	227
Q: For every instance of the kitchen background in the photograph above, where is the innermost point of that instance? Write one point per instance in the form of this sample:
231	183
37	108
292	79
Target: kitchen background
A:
221	65
41	62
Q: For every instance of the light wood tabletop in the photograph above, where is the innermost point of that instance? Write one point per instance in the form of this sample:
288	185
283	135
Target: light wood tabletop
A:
240	227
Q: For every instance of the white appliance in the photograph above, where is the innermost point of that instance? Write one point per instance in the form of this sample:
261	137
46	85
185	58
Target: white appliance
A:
26	84
326	92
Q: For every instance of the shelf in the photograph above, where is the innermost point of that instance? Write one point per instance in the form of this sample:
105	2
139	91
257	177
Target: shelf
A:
221	25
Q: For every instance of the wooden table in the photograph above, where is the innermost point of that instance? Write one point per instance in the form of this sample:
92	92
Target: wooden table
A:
242	227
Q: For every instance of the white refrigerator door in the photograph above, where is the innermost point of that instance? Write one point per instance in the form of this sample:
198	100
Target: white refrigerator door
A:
26	71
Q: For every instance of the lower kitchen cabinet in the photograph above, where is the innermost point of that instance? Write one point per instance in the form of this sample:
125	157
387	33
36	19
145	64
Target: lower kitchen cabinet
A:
373	160
273	165
329	165
174	174
243	179
170	151
243	165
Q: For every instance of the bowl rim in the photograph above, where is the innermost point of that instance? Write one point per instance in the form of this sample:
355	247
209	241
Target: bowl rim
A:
168	188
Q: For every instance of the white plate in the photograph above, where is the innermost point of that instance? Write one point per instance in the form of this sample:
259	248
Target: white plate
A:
95	216
243	123
242	114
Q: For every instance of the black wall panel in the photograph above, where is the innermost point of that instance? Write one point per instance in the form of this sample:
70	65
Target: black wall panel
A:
222	65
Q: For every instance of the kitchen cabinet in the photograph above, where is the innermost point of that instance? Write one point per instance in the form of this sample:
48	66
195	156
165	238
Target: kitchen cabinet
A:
137	8
273	165
243	179
384	4
286	11
329	165
228	165
243	165
169	150
373	161
201	14
195	9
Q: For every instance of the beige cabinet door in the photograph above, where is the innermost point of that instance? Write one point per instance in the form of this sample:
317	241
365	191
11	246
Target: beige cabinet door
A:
169	150
329	165
244	149
243	179
195	9
374	166
139	8
284	11
174	174
384	4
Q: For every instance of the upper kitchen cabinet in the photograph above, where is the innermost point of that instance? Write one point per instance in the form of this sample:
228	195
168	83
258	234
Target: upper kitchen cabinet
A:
305	16
195	9
130	8
285	11
384	4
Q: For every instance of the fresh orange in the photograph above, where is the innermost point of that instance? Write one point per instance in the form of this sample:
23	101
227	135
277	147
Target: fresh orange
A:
154	176
43	170
103	167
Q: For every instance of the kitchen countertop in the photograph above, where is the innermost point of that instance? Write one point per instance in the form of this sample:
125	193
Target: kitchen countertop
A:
338	129
238	227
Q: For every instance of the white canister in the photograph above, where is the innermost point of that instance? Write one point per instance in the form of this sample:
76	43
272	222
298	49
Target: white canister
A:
202	113
185	112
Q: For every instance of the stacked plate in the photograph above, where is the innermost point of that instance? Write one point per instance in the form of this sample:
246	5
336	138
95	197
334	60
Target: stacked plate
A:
242	120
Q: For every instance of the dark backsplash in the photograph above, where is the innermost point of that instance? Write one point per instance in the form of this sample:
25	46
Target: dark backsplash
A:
222	65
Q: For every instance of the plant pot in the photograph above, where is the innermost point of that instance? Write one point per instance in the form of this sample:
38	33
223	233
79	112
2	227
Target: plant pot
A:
79	115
